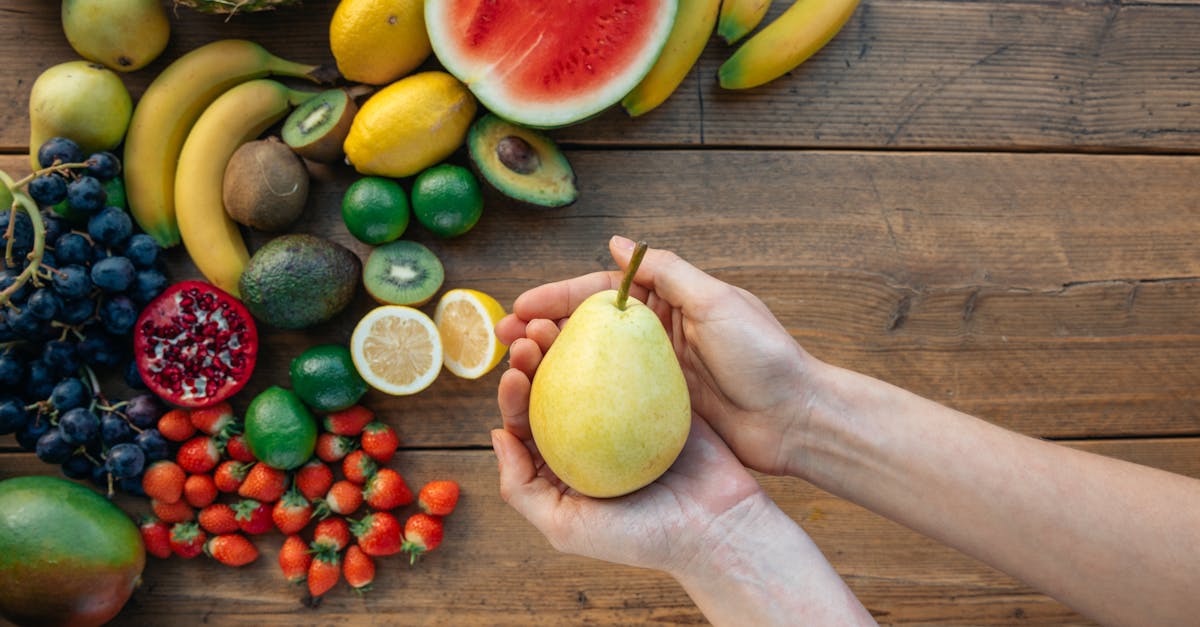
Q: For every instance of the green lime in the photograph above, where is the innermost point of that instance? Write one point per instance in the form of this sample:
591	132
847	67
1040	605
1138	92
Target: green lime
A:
446	199
280	430
375	210
325	378
114	192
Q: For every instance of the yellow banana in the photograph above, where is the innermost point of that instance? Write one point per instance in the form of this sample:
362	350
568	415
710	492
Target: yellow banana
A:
693	26
167	111
212	239
739	17
796	35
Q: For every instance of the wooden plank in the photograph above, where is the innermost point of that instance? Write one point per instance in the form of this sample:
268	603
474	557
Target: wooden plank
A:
1025	75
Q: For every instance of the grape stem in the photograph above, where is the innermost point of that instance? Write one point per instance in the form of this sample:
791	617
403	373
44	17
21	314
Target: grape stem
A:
26	204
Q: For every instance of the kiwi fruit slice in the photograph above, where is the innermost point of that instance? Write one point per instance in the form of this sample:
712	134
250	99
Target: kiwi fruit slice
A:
403	272
317	128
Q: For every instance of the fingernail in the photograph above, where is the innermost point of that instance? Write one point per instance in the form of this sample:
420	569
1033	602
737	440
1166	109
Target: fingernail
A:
622	243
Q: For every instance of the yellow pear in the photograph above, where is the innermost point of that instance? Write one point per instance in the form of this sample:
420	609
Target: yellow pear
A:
124	35
609	407
81	101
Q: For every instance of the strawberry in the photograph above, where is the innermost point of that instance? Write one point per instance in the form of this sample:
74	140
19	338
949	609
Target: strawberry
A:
176	426
422	534
378	534
228	477
438	498
323	574
199	490
292	512
294	559
358	467
349	421
176	512
187	539
387	490
332	448
314	479
264	483
237	449
163	481
331	534
218	518
379	441
156	535
358	569
214	419
253	517
231	549
198	455
343	498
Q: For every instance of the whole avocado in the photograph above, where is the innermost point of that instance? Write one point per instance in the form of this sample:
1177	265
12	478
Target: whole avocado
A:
296	281
67	555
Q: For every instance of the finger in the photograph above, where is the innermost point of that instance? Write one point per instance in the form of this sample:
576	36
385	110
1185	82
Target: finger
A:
533	496
509	329
560	299
670	277
542	331
513	398
524	355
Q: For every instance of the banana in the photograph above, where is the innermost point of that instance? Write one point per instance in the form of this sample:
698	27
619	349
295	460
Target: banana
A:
739	17
796	35
693	26
167	111
212	239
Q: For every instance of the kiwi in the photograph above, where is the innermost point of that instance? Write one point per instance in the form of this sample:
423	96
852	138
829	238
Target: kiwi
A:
403	273
265	186
317	128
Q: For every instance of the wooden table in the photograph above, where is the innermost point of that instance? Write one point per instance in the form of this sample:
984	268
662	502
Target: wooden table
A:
991	203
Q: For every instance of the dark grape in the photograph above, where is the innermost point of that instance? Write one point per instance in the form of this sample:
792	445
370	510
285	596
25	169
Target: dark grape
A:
85	194
12	368
54	225
153	444
62	356
125	460
79	426
114	429
7	278
72	282
44	303
99	348
111	227
72	248
26	325
59	150
49	259
103	165
70	394
41	381
146	285
100	476
6	332
133	378
47	189
113	274
53	447
78	466
77	311
22	232
28	436
142	250
143	410
132	485
118	315
12	415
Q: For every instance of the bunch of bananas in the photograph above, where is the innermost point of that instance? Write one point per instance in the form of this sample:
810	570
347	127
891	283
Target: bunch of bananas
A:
785	43
185	128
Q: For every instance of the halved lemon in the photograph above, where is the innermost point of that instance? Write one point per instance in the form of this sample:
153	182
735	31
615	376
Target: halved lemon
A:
397	349
466	320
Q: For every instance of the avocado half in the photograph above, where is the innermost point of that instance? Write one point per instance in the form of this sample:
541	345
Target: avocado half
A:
521	163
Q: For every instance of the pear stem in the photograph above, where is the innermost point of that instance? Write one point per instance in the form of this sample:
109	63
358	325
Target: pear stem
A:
636	260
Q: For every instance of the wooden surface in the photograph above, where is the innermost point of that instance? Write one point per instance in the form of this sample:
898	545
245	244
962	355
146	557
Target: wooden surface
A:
991	203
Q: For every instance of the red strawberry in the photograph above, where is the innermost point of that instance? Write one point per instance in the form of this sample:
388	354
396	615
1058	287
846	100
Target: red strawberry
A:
387	490
213	419
358	467
332	448
314	479
422	534
294	559
187	539
163	481
237	449
378	534
198	455
219	518
358	569
331	534
228	477
253	517
323	574
380	442
176	512
438	498
343	498
349	421
264	483
199	490
231	549
176	426
156	535
292	512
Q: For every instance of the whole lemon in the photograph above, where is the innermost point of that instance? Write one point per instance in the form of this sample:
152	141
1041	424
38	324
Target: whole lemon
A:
410	125
378	41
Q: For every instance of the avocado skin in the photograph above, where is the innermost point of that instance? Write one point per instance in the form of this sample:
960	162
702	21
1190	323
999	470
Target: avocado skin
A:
296	281
551	185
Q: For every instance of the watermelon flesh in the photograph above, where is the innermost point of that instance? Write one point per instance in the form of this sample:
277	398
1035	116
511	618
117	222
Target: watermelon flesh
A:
548	63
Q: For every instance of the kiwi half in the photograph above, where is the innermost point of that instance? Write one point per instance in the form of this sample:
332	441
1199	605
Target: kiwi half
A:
403	272
317	128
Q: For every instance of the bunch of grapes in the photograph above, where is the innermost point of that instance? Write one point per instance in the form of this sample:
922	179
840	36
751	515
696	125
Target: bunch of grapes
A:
73	281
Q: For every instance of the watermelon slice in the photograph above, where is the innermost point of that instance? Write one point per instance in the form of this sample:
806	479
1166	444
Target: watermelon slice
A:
549	63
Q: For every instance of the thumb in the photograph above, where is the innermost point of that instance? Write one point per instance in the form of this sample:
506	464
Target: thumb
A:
674	280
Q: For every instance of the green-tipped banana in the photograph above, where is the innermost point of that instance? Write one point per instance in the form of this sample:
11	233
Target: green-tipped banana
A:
787	42
739	17
693	26
212	239
170	107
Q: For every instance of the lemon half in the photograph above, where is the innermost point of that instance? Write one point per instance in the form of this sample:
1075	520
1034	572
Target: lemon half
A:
466	320
397	350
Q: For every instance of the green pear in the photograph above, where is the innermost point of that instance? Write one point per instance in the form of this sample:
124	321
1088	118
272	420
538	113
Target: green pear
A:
609	407
82	101
124	35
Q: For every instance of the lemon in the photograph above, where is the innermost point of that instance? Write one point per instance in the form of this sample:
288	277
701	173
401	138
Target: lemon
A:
466	320
378	41
397	349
